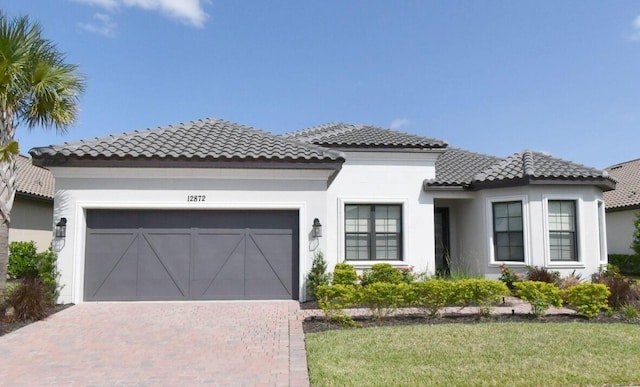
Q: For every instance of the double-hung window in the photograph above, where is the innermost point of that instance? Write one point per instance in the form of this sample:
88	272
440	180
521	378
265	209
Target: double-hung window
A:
508	236
373	232
563	241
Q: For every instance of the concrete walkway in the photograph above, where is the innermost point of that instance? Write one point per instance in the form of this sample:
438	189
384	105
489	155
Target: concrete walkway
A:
160	344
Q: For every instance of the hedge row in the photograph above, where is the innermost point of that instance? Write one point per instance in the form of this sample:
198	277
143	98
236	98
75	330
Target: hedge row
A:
431	295
627	264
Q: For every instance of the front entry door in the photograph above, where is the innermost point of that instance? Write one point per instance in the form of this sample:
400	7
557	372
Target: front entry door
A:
441	217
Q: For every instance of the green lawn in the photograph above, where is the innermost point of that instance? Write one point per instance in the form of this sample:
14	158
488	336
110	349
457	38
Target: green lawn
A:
493	354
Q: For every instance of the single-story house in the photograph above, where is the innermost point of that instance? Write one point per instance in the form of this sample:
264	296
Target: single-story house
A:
32	212
622	205
211	209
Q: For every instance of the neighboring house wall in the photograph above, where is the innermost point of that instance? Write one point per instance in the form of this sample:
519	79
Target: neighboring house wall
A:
474	229
385	178
31	220
620	228
79	189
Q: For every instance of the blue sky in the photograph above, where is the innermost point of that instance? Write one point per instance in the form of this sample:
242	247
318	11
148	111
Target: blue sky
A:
494	77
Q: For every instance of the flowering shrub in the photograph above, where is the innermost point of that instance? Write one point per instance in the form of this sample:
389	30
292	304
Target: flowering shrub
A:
509	277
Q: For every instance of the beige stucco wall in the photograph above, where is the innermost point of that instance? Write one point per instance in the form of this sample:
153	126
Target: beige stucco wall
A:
620	227
32	220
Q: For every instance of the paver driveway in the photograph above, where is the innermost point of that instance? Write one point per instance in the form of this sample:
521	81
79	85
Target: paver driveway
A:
163	343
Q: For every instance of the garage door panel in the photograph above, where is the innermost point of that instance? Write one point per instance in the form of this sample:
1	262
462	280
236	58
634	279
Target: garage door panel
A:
219	265
175	255
262	277
115	267
163	268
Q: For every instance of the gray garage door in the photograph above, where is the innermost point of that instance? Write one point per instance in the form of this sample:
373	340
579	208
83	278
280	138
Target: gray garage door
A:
191	255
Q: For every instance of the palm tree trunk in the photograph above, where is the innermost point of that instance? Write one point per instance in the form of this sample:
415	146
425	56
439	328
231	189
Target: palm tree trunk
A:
7	195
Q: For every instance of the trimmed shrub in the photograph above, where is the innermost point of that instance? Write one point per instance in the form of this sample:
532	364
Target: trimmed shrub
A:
539	294
541	274
628	264
381	272
333	299
26	262
588	299
344	274
23	260
317	275
384	298
482	293
433	294
30	300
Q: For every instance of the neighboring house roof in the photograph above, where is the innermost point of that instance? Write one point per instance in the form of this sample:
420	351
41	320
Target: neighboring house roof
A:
207	139
341	135
627	192
456	167
32	180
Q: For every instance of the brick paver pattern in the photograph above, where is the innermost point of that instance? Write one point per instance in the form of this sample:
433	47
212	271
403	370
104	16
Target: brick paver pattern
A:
160	344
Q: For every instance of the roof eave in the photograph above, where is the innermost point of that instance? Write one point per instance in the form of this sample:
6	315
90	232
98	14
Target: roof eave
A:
603	183
131	162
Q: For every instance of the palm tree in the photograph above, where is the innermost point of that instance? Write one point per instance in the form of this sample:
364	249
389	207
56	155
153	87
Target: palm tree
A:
37	89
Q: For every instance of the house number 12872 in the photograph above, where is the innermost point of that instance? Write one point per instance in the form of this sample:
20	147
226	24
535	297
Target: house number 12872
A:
196	198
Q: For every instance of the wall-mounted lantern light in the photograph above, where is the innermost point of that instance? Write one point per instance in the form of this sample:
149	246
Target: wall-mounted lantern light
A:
316	228
61	228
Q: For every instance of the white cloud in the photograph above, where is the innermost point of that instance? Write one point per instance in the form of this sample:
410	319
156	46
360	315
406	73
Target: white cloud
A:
107	4
399	123
635	35
190	12
103	25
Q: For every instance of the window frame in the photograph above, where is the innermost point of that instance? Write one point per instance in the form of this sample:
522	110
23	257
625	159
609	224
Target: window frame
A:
404	232
372	234
579	231
491	234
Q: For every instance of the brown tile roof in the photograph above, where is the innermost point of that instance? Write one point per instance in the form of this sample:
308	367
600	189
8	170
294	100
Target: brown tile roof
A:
341	135
457	167
627	192
33	180
207	139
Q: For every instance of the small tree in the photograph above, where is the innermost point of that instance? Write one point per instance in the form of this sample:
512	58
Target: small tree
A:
636	235
317	275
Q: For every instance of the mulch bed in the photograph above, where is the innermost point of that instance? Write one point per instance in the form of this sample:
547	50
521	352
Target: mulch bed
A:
9	324
320	324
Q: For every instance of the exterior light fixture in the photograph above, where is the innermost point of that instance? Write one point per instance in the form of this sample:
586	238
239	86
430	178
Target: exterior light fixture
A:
61	228
316	228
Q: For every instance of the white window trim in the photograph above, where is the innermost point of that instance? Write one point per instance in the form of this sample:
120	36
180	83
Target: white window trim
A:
342	202
579	231
524	199
602	232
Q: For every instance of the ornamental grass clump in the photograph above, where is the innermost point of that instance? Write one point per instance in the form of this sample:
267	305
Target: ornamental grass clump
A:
540	295
30	299
542	274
